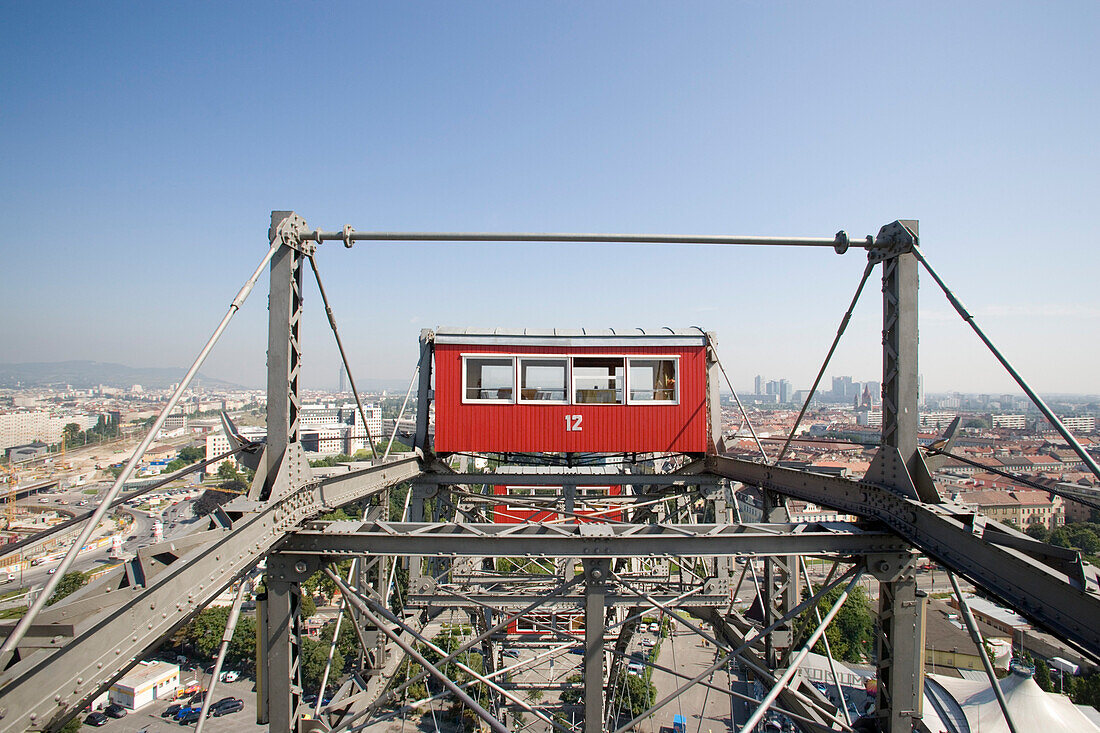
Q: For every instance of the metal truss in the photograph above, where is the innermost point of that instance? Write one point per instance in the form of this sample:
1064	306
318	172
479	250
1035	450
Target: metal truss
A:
345	539
654	557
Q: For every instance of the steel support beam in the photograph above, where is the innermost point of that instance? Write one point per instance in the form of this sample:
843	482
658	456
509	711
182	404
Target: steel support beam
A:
595	585
900	643
899	467
281	639
350	538
283	342
576	477
424	394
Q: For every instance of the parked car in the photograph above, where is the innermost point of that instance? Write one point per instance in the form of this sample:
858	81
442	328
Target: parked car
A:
185	710
225	707
115	711
192	716
171	710
635	668
96	719
655	627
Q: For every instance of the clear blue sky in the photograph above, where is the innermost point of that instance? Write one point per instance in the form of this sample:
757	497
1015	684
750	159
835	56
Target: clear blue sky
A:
143	146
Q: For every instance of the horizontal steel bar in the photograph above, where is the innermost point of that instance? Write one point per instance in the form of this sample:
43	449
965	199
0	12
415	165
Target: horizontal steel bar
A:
508	603
577	540
840	240
569	479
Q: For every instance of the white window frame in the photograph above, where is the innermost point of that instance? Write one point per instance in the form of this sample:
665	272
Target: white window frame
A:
466	400
654	357
573	380
544	357
515	491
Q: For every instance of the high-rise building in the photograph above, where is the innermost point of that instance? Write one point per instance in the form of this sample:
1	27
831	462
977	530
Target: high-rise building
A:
842	389
758	384
340	389
784	391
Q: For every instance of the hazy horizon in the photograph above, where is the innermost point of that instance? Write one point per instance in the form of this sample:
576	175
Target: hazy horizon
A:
145	146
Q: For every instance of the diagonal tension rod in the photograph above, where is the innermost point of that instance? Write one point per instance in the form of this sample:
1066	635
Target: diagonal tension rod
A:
1035	399
343	356
825	364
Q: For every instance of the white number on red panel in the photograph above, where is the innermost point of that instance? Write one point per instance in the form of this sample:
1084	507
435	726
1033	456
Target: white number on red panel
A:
573	423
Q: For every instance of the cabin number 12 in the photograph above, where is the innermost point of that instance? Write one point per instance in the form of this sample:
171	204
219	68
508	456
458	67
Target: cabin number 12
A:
573	423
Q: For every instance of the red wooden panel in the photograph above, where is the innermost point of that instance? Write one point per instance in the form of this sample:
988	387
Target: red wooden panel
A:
537	428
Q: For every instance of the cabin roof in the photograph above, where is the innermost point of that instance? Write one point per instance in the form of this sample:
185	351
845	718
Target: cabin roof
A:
666	336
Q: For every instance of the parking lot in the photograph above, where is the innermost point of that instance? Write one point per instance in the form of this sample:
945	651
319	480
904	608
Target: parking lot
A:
148	718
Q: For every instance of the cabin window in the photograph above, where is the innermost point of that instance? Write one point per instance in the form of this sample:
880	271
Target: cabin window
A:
538	497
653	380
598	380
489	379
544	380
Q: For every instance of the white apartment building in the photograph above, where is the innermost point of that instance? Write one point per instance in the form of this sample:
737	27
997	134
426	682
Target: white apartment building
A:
1079	424
332	417
869	418
1010	422
937	419
26	426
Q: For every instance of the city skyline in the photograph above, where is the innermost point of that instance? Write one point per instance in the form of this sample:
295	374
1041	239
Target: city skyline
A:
145	151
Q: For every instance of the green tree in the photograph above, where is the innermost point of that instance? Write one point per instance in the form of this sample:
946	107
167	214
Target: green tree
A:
574	695
73	726
191	453
174	466
308	607
1039	532
347	643
330	461
71	433
227	471
69	583
852	630
1042	675
314	658
1086	690
635	696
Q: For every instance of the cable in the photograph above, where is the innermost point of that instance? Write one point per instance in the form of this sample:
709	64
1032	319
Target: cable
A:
343	356
1035	398
821	372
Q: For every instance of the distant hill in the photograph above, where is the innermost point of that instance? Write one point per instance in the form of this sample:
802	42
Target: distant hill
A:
88	374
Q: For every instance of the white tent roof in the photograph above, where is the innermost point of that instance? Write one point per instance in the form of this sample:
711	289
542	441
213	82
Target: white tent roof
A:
1031	708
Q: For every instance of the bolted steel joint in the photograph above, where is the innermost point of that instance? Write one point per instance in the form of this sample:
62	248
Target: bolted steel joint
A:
347	236
840	244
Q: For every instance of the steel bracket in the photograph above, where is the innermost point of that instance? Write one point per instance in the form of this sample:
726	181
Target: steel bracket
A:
896	238
287	228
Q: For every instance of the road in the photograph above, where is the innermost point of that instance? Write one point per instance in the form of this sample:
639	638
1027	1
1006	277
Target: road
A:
178	519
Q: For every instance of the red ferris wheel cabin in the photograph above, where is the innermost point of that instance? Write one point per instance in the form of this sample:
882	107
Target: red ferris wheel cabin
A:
559	391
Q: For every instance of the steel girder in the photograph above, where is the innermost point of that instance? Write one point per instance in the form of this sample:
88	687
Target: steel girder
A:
111	625
576	477
347	538
1060	598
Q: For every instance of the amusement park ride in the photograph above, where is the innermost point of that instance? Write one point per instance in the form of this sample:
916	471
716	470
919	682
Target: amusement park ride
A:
608	455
